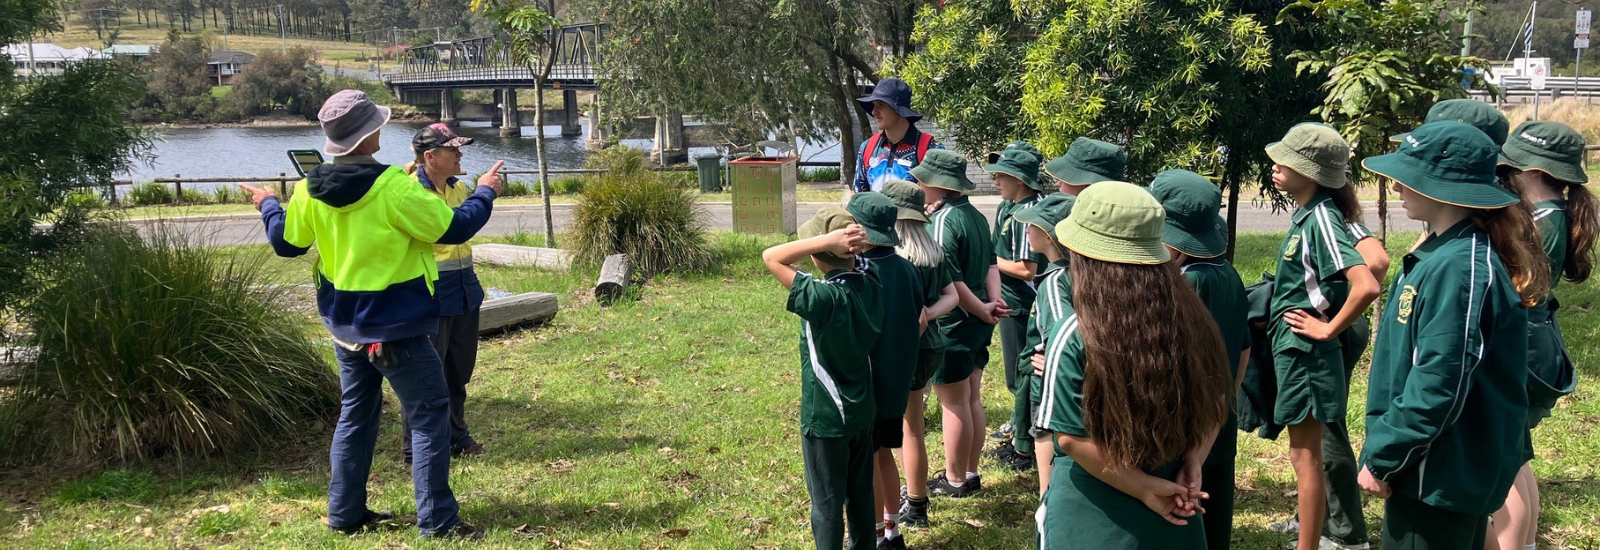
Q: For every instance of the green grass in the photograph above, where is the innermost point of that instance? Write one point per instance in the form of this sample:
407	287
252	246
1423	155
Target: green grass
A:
617	427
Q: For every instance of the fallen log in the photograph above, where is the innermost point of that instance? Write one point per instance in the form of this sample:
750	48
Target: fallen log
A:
614	276
502	314
511	255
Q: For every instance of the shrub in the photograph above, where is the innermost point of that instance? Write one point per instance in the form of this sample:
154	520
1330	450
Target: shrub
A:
516	189
566	186
228	194
149	347
639	214
85	198
820	175
617	159
151	193
192	196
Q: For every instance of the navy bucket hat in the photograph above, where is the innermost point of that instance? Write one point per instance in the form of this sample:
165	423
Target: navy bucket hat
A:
894	92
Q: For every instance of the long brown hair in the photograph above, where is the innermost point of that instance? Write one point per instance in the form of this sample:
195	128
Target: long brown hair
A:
1155	379
1516	241
1583	216
412	167
1345	199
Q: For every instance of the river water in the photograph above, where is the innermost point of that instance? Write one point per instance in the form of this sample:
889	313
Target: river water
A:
250	152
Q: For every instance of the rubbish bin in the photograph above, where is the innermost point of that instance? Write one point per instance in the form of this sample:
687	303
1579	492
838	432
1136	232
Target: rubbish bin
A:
710	172
763	194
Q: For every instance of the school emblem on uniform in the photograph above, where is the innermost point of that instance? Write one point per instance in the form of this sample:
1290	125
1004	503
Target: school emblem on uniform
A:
1293	245
1407	295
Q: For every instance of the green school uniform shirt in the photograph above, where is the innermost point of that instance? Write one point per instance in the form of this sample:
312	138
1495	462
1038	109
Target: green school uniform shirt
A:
1551	217
841	317
963	233
1011	244
902	297
1054	305
1311	264
1446	398
1221	289
934	279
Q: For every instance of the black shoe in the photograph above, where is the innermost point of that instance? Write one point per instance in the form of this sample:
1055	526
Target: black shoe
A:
474	449
942	487
1017	462
368	521
1002	453
897	543
913	514
1004	433
974	484
461	531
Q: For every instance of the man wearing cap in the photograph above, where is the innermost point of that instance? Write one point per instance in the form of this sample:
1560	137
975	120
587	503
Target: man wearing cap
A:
1016	173
898	145
458	291
1087	162
375	229
1198	237
841	318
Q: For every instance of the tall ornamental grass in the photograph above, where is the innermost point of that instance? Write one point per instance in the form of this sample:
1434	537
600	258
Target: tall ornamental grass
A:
633	211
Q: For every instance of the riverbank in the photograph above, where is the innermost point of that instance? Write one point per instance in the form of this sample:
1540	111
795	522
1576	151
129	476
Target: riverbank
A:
277	120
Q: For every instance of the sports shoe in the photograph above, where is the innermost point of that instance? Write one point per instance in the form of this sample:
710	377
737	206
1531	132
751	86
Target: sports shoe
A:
475	449
940	486
1289	526
1001	452
368	521
1330	544
897	543
1004	433
462	531
913	514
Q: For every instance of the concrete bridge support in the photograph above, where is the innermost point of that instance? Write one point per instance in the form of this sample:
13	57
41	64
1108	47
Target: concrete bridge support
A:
447	107
511	120
597	130
670	147
498	118
571	126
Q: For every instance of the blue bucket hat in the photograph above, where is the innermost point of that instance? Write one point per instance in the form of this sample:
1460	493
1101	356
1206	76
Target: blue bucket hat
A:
894	92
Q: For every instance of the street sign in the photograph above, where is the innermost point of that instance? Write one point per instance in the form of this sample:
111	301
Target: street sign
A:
1538	69
1582	42
1583	22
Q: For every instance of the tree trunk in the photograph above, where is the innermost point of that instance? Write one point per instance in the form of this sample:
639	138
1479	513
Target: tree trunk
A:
847	140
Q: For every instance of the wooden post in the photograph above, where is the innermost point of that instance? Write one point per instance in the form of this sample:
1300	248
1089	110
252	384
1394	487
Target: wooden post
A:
111	191
283	190
614	276
177	198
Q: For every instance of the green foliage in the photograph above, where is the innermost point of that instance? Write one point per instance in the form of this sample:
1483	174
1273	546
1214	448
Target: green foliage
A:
566	186
516	188
151	194
642	215
289	80
820	175
192	196
217	522
148	346
84	199
228	194
177	83
617	159
123	485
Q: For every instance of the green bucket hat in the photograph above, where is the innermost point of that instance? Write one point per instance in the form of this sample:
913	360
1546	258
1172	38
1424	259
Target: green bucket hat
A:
1116	222
1550	147
1191	202
1316	151
908	198
1016	163
1048	212
944	169
877	214
1089	161
1022	146
1471	112
1449	162
828	219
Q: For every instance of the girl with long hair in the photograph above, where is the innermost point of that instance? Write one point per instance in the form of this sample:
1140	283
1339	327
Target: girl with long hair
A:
1545	161
1136	384
1447	396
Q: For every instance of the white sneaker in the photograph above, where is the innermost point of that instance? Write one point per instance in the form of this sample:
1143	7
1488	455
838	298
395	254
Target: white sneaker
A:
1289	526
1330	544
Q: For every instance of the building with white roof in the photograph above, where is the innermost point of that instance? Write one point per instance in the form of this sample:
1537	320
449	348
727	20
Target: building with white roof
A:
44	58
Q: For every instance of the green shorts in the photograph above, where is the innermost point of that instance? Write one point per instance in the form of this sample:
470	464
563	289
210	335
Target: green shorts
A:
967	349
928	361
1311	384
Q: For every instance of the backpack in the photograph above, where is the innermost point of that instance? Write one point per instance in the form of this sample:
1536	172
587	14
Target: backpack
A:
893	169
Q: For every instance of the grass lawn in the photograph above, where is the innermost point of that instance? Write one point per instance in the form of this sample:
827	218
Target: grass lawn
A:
79	34
669	422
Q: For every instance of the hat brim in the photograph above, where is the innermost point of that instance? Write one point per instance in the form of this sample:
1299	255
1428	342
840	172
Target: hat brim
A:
1031	182
933	179
1522	159
1400	168
1072	174
1331	178
1109	249
911	214
373	124
1194	243
865	102
882	237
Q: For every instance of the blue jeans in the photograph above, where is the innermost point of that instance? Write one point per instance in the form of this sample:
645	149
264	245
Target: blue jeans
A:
412	367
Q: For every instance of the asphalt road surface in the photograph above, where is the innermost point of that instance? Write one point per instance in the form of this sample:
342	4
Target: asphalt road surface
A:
509	219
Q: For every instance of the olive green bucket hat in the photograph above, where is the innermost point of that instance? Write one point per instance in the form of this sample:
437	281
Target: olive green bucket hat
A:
1550	147
944	169
1471	112
1021	146
1016	163
1191	202
827	220
1116	222
1089	161
1316	151
908	198
877	214
1449	162
1048	212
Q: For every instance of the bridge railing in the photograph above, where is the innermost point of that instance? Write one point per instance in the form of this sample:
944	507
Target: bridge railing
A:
487	59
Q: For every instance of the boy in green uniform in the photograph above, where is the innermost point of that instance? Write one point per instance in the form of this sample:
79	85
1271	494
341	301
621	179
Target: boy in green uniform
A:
1135	385
1447	397
1197	238
841	317
1317	266
1087	162
1016	172
1546	161
963	233
1039	222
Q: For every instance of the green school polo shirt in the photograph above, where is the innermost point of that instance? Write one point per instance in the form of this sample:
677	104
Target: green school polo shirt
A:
1060	406
1551	217
1011	243
902	297
1446	400
963	232
1219	286
1311	264
933	279
841	317
1055	288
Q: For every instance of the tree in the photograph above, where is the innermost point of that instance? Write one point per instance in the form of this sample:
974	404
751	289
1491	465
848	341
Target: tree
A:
528	32
176	79
289	80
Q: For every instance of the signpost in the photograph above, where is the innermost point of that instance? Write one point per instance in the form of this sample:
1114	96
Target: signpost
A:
1538	70
1579	44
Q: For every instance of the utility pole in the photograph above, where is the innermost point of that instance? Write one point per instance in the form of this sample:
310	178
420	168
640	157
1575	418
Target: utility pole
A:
1466	35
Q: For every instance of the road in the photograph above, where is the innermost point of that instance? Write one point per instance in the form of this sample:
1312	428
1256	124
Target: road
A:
508	220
